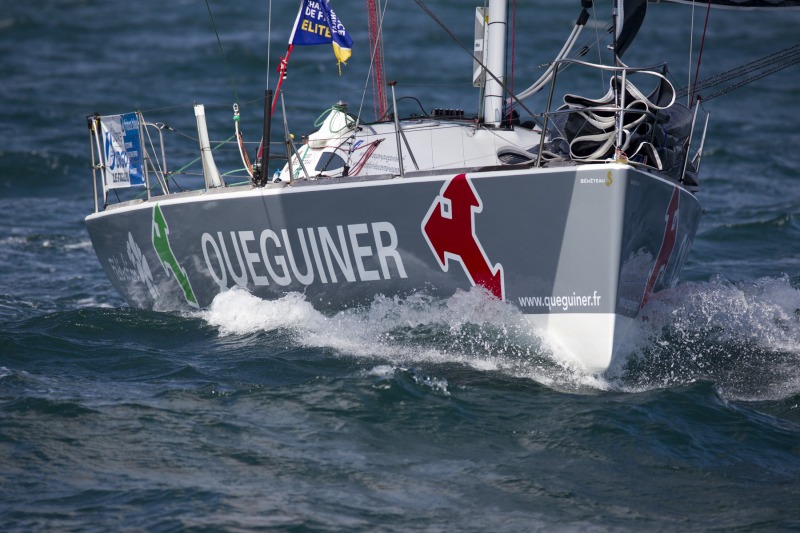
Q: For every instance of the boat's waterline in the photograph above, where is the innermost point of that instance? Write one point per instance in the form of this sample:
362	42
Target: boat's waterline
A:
571	247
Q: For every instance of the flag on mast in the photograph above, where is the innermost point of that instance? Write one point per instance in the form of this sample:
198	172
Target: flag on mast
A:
316	23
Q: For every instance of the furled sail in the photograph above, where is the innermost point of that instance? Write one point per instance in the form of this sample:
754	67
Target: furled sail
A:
628	15
742	4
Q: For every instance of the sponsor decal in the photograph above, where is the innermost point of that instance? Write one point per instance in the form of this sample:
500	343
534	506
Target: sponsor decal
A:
138	270
565	302
667	245
304	255
168	261
449	229
122	152
381	162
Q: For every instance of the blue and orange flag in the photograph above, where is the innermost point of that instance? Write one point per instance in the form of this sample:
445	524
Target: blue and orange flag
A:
317	24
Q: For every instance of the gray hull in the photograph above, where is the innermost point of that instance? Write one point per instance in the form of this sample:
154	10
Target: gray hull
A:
577	249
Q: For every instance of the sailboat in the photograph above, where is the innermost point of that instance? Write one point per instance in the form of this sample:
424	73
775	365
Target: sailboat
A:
575	217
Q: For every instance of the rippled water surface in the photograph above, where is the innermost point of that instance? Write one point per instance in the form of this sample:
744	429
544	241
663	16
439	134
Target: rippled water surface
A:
413	414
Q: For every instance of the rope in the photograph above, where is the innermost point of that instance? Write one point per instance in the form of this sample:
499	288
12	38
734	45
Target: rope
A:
224	58
349	121
195	160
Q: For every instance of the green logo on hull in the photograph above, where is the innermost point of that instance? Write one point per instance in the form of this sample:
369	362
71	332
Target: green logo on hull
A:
167	258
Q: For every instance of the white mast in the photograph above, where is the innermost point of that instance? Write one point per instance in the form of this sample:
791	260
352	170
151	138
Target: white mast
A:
496	62
210	171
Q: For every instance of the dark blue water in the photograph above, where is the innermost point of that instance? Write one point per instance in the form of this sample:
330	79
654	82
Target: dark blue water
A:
406	415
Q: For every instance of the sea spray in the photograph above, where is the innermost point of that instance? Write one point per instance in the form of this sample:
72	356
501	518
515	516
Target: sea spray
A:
470	328
744	337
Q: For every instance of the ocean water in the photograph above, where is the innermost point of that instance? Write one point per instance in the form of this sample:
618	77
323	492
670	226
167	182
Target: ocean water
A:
413	414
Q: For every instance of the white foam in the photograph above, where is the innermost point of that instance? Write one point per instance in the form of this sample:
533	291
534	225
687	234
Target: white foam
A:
92	302
765	313
382	371
468	328
82	245
744	337
237	312
13	240
388	372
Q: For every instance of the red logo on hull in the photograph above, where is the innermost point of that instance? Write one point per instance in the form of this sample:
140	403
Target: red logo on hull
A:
449	228
667	245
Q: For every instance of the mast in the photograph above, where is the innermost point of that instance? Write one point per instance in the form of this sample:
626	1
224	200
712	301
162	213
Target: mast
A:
495	62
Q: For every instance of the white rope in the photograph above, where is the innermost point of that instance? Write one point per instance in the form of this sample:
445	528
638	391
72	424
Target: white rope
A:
548	74
604	140
239	142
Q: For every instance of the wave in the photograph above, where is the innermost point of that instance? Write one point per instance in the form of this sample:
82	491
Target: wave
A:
775	224
468	328
45	173
744	337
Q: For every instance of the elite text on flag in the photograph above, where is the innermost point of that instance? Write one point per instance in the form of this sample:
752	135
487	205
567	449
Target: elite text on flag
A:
316	23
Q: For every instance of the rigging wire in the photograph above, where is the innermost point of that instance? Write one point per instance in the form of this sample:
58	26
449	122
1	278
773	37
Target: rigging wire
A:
700	54
585	48
372	63
755	70
269	39
513	53
195	160
691	49
224	57
190	105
